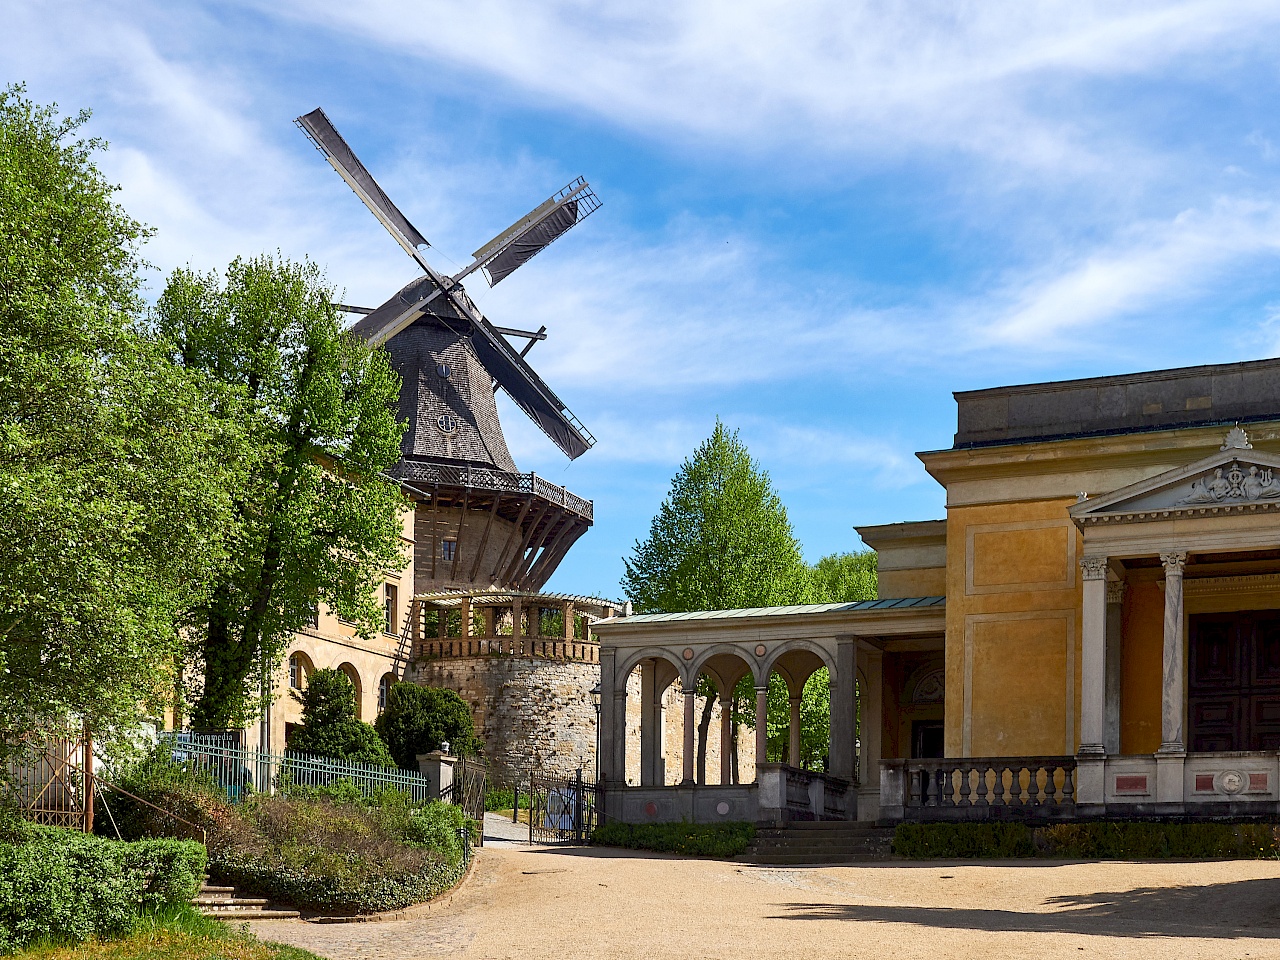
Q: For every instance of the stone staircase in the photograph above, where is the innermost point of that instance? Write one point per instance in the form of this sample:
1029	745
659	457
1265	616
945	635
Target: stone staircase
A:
824	841
225	903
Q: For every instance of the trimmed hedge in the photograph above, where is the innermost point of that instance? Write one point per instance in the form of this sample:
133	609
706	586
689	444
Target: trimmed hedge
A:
691	839
1099	840
962	841
62	885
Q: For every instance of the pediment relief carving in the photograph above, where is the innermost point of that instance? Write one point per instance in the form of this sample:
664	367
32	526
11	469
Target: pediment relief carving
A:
1237	477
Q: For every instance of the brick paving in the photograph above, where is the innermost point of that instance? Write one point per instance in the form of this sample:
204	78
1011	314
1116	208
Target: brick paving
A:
530	902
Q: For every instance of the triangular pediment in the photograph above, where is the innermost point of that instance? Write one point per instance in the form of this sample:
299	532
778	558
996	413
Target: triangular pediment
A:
1236	477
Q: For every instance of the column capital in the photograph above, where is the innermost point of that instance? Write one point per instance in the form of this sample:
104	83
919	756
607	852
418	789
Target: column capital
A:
1115	591
1174	562
1093	568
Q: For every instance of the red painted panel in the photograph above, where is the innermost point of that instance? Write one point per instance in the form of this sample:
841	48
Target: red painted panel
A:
1131	783
1204	783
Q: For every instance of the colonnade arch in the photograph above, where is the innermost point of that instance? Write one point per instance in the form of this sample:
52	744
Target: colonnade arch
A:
728	682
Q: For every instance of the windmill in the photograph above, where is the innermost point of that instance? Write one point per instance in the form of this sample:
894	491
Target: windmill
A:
479	522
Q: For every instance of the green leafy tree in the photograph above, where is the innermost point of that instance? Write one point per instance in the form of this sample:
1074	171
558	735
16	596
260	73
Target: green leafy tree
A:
419	719
721	540
117	467
315	519
844	578
329	725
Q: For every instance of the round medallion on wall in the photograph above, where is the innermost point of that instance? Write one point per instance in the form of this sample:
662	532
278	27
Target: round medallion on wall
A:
447	423
1231	781
722	808
688	653
760	649
650	809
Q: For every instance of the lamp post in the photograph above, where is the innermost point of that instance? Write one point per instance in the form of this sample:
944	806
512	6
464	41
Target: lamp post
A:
595	702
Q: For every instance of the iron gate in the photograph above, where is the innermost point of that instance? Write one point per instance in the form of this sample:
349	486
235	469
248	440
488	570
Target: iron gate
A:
561	811
50	779
470	783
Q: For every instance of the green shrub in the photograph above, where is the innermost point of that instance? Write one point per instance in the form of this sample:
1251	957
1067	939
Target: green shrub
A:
61	885
329	725
504	798
962	841
1098	840
346	857
1154	841
419	719
690	839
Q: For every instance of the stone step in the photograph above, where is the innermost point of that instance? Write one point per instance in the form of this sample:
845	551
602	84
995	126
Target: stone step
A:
819	842
231	903
798	860
256	913
210	889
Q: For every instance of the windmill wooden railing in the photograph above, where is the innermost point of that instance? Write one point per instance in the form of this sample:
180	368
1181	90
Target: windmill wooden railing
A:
490	479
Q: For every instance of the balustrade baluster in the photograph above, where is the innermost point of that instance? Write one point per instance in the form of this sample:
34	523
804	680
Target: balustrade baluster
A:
982	800
963	800
1068	787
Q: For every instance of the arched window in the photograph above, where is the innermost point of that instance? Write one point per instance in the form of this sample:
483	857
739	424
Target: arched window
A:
384	690
299	670
354	676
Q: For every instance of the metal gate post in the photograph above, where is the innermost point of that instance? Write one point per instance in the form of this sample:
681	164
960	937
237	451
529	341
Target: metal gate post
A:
577	805
88	780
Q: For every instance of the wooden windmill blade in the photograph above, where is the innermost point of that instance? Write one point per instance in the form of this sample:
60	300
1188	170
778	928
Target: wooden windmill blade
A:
512	373
534	232
318	128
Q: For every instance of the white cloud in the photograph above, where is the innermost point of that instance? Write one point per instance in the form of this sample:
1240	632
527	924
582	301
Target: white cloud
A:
1150	264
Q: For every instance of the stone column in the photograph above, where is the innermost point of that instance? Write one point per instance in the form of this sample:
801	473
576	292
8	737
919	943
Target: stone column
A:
843	705
612	726
1115	657
690	728
1173	751
871	712
1171	701
566	614
1093	657
793	731
650	724
762	724
489	615
726	738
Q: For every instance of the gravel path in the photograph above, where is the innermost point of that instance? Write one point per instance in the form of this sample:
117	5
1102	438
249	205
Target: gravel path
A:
530	902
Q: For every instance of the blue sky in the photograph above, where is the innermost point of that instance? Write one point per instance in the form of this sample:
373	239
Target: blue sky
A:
820	218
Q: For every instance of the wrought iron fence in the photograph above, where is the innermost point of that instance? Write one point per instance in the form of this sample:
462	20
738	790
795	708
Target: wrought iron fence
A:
562	811
240	772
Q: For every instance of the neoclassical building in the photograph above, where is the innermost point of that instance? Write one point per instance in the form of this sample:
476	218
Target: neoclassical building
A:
1093	629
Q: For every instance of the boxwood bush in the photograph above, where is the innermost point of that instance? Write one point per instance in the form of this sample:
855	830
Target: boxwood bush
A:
62	885
1098	840
691	839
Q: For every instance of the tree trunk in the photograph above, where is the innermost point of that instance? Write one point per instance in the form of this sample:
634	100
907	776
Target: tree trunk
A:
704	726
226	664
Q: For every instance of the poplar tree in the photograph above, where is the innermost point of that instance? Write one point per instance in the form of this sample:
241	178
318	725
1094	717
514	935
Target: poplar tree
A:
721	540
316	521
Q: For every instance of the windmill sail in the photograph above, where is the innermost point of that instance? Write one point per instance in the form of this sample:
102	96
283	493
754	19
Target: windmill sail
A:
343	159
534	232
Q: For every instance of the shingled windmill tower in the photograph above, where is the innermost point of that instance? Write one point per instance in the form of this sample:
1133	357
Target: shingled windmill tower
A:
480	524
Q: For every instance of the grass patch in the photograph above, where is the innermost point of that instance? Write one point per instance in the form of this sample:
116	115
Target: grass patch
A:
719	840
1101	840
171	933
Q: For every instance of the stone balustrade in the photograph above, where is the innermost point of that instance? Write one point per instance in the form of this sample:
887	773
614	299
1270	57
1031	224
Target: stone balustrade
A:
789	793
978	788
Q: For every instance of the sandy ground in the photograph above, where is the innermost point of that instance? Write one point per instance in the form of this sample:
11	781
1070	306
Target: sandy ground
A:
523	902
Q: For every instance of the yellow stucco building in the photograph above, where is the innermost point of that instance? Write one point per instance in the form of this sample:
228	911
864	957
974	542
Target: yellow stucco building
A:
1094	629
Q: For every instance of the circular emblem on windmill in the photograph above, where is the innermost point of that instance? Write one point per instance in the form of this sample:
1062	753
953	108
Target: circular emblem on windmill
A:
447	423
443	370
